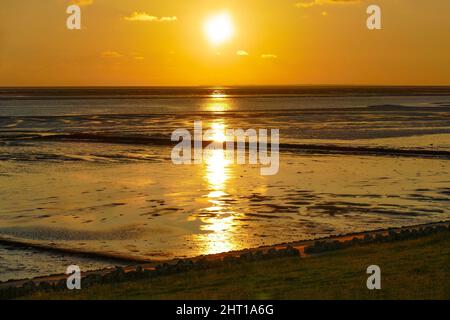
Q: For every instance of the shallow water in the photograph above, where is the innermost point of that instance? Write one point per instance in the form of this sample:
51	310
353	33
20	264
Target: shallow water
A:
27	263
155	209
129	200
319	119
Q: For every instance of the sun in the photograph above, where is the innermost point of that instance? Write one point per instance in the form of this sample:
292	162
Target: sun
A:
219	28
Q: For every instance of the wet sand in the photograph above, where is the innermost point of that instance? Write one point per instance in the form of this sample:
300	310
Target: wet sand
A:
143	209
90	174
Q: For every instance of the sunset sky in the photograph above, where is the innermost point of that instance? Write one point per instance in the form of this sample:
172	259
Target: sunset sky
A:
265	42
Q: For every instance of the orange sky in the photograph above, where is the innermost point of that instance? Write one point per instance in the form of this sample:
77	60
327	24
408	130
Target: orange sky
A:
274	42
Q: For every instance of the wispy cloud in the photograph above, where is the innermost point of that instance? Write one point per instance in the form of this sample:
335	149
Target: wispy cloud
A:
311	3
82	3
111	54
145	17
242	53
269	56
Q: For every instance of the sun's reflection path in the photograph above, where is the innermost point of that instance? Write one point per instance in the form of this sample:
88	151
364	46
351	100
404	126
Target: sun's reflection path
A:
217	106
218	102
217	170
219	221
218	94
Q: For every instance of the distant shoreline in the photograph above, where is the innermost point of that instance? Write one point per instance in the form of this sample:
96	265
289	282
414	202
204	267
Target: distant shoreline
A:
207	92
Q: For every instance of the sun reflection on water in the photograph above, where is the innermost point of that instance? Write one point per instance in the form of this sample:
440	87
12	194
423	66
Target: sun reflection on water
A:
217	106
220	220
218	94
218	102
217	172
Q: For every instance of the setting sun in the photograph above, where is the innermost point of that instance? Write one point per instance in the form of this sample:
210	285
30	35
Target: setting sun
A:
219	28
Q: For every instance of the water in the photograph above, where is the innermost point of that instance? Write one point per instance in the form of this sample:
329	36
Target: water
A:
86	170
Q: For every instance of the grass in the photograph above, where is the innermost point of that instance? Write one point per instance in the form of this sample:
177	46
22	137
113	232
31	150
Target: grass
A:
411	269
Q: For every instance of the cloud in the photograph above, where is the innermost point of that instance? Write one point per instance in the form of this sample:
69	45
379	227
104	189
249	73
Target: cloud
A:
111	54
82	3
145	17
311	3
306	3
242	53
269	56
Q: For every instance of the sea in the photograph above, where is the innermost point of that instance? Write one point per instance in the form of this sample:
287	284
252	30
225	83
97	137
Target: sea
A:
86	175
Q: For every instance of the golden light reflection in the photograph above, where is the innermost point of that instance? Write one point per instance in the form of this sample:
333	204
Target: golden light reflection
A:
220	220
218	94
218	102
216	170
217	106
219	239
218	132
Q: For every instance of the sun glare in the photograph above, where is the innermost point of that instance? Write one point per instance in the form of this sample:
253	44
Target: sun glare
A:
219	28
218	132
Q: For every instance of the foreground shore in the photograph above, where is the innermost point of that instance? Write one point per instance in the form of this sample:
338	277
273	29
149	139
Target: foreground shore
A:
414	265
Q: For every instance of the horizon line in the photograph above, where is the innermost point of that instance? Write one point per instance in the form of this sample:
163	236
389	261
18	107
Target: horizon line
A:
233	86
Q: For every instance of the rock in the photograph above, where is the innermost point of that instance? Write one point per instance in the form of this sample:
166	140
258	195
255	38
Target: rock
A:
163	269
91	280
258	255
131	275
200	264
86	281
421	231
291	251
119	274
29	287
309	249
108	277
138	273
189	263
229	260
336	245
45	286
181	266
61	284
246	256
392	234
406	234
319	246
149	274
272	252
